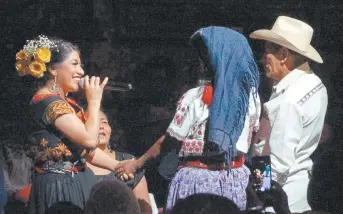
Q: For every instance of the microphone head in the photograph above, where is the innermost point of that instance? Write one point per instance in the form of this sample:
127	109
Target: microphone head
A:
82	83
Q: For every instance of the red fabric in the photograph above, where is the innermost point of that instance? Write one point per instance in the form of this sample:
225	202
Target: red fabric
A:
24	194
207	95
199	164
237	163
41	96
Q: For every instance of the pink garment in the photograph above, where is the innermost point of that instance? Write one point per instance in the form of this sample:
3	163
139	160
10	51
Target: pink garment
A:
261	139
326	133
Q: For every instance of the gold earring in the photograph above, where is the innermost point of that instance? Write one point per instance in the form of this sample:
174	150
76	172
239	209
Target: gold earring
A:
55	88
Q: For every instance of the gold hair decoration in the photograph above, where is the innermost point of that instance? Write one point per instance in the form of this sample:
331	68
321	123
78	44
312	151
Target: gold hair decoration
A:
32	59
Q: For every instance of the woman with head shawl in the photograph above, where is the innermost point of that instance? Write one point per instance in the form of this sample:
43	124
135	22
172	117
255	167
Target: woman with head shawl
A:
216	128
214	122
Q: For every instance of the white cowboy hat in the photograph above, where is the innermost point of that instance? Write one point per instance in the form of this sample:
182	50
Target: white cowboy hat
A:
292	34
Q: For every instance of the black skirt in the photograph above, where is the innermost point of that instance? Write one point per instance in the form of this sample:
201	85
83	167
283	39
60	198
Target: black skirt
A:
51	188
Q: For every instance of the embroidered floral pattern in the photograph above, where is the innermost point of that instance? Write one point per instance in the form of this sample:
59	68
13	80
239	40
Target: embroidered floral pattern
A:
56	109
53	153
44	142
57	152
63	149
181	113
41	96
194	142
52	150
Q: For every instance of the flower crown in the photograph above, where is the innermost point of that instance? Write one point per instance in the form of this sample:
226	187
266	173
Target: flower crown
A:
32	59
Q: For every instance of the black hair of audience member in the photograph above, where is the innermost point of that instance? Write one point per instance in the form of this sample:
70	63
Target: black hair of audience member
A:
64	208
204	203
112	197
325	188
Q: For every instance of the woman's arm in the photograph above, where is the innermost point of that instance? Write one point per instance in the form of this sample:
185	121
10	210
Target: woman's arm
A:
153	152
86	135
101	159
70	125
142	194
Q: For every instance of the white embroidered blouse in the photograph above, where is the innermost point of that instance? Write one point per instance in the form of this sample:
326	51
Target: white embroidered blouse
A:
189	123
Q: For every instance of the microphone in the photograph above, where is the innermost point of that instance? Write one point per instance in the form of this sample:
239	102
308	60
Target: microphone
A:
111	85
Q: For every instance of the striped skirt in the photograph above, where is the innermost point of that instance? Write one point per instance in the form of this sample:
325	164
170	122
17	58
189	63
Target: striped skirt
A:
189	180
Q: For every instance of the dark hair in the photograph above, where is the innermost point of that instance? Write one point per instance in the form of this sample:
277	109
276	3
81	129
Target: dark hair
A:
58	55
204	203
199	45
112	196
64	207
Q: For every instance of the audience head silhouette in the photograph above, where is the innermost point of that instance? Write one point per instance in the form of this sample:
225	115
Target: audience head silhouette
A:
112	197
64	208
203	204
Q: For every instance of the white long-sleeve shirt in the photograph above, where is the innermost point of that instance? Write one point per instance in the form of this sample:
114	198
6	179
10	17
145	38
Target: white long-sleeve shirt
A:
295	117
291	127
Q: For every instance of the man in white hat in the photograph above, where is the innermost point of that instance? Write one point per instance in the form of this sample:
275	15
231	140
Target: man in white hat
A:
296	110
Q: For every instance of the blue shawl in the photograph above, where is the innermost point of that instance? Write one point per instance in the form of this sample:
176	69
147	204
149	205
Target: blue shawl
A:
236	73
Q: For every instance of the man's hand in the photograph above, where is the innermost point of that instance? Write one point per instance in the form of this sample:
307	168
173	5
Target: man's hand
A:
126	169
155	150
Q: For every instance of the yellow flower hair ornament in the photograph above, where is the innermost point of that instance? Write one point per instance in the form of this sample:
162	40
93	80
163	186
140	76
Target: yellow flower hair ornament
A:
32	59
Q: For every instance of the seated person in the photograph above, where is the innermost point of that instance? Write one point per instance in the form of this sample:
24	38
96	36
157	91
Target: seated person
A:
138	184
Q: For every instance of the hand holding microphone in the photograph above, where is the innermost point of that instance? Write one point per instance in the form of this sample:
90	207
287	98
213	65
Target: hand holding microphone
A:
93	88
111	85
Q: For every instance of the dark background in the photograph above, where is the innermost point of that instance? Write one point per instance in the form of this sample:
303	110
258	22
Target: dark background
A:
117	36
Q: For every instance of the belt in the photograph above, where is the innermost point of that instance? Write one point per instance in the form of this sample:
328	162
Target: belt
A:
219	166
74	170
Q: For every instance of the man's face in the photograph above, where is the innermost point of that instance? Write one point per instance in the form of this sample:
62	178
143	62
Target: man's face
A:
272	61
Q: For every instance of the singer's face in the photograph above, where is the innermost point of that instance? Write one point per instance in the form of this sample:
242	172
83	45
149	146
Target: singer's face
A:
105	129
70	72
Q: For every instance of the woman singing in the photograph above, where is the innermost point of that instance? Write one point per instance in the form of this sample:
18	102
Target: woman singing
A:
64	136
